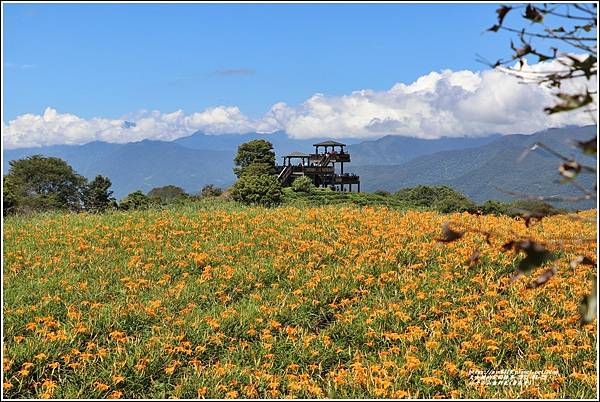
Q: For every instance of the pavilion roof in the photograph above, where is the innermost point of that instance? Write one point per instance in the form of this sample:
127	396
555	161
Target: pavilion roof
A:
329	143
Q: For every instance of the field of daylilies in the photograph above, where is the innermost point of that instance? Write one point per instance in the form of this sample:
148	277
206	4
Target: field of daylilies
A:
342	302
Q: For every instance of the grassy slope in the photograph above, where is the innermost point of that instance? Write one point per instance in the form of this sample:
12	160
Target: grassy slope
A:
217	300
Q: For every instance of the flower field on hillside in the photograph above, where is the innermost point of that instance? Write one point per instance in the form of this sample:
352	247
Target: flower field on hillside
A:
340	302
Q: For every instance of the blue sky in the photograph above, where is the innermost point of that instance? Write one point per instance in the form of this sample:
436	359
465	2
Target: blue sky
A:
73	73
112	59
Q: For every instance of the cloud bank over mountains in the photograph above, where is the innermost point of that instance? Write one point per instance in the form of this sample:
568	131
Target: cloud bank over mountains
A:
447	103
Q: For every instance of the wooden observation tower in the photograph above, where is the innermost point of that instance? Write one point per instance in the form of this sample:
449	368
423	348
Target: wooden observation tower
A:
325	167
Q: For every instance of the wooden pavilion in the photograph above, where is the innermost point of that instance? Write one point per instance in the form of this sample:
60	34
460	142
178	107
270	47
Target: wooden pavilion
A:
325	167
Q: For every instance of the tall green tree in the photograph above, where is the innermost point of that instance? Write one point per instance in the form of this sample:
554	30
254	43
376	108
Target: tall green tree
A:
96	195
39	183
255	158
9	199
166	193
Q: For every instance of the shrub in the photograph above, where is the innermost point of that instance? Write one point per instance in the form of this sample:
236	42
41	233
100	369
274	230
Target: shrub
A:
440	198
382	193
534	207
262	190
167	193
303	184
493	207
135	200
210	190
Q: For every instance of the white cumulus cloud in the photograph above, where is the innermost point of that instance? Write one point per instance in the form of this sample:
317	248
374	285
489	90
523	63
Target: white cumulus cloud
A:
446	103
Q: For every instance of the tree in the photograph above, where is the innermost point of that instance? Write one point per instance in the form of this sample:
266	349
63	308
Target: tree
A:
135	200
39	183
96	195
264	190
9	199
167	193
210	190
303	184
255	158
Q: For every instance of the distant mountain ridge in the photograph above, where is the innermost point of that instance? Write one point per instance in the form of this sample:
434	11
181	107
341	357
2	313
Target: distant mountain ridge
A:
474	166
282	144
141	165
479	171
393	149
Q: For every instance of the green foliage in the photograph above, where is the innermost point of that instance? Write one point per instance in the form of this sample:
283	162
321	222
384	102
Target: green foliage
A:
303	184
326	196
256	152
166	194
135	200
211	190
493	207
258	169
441	198
96	195
262	190
38	183
9	198
533	207
382	192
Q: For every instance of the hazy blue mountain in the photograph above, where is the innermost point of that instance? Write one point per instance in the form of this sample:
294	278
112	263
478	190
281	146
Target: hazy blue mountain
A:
141	165
393	150
478	171
282	144
474	166
79	156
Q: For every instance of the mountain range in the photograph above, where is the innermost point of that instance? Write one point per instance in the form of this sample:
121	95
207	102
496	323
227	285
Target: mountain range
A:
493	170
476	166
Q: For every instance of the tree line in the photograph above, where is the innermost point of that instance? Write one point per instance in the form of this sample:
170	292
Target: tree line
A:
38	184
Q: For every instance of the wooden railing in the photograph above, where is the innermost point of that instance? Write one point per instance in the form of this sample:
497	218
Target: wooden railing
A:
325	160
285	174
